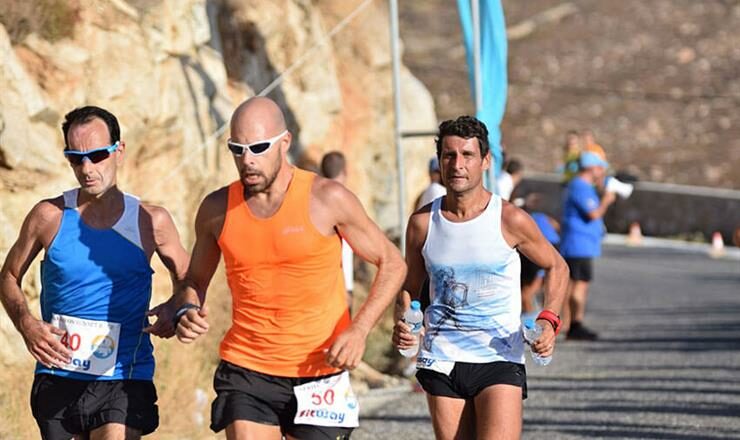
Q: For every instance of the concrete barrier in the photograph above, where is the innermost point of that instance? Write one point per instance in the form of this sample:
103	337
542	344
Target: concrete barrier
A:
662	210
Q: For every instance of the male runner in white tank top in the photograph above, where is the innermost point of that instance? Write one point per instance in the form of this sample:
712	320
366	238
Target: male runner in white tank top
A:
471	360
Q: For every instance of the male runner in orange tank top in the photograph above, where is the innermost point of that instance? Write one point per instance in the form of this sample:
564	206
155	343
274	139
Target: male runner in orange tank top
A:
279	228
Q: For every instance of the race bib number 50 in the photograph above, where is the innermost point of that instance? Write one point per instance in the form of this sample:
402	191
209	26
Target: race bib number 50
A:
327	402
94	344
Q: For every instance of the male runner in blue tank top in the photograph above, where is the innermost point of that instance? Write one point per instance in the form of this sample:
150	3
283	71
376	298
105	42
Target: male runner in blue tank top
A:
95	362
471	359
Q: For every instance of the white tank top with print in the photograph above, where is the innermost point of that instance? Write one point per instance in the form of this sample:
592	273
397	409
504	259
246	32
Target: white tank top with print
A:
474	315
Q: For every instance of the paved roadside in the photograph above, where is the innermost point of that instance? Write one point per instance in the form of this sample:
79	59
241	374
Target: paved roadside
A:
667	365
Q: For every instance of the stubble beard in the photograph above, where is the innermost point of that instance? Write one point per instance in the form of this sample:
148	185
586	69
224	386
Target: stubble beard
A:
252	189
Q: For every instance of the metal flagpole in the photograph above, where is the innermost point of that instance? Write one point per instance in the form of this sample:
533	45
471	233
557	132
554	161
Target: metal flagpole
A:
477	79
397	125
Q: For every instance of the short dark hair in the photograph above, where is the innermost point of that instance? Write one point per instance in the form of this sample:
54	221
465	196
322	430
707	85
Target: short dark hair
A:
83	115
513	166
333	164
465	127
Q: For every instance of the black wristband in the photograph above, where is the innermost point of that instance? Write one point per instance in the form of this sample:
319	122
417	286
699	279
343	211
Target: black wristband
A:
181	311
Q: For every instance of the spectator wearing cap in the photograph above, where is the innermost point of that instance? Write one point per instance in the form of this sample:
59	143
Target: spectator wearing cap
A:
435	188
581	234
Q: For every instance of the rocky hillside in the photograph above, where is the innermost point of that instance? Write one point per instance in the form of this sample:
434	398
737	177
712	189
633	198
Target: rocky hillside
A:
658	81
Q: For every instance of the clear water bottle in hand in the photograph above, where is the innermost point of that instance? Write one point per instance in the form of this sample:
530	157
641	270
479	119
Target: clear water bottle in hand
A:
532	332
414	319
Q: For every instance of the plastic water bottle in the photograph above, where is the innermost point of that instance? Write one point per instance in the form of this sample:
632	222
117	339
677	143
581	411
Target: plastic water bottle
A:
532	332
414	319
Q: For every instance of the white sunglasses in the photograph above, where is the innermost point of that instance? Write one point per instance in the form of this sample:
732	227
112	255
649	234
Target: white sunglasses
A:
256	148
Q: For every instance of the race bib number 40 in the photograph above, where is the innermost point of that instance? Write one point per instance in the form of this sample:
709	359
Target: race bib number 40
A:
94	344
327	402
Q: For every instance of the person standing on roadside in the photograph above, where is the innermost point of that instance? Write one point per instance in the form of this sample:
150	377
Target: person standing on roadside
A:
571	151
582	229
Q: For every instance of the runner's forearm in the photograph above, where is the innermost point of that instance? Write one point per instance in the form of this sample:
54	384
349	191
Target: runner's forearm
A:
384	289
403	300
13	300
187	292
555	286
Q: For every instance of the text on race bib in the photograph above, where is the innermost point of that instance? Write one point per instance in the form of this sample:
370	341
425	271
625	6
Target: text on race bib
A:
94	344
327	402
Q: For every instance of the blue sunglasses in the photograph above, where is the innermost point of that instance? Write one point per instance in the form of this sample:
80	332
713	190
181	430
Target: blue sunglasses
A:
97	155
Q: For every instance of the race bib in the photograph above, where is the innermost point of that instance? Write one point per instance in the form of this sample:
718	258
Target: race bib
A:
94	344
327	402
444	367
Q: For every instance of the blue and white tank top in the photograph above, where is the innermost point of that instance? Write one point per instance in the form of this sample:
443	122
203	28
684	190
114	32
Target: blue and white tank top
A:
474	291
100	277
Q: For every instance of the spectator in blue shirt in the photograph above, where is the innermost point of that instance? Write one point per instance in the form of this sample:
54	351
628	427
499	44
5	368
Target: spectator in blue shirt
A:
581	235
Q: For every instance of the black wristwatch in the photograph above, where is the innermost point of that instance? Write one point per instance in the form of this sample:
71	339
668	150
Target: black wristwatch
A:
181	311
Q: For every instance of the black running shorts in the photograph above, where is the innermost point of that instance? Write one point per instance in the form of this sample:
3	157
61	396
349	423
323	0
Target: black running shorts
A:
467	380
65	407
243	394
581	269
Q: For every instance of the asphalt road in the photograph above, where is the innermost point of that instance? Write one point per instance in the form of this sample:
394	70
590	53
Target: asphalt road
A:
667	365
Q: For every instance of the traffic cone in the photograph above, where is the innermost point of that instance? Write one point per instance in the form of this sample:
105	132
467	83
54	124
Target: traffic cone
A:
634	238
718	246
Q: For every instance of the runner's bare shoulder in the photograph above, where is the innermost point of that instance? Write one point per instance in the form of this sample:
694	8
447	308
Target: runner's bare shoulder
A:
44	219
215	203
328	191
517	225
155	222
212	211
513	217
157	213
416	233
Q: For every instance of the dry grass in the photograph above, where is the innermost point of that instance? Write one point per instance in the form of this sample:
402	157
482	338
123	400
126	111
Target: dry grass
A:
16	421
184	374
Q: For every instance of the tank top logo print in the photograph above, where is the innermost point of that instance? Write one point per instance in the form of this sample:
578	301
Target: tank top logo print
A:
293	230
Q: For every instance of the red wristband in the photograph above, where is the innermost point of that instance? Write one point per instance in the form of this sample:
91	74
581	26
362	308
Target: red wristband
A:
552	318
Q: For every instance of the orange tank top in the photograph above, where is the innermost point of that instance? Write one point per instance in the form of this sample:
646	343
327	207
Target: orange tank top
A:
287	289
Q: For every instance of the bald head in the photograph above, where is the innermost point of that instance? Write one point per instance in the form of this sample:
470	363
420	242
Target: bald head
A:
257	118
